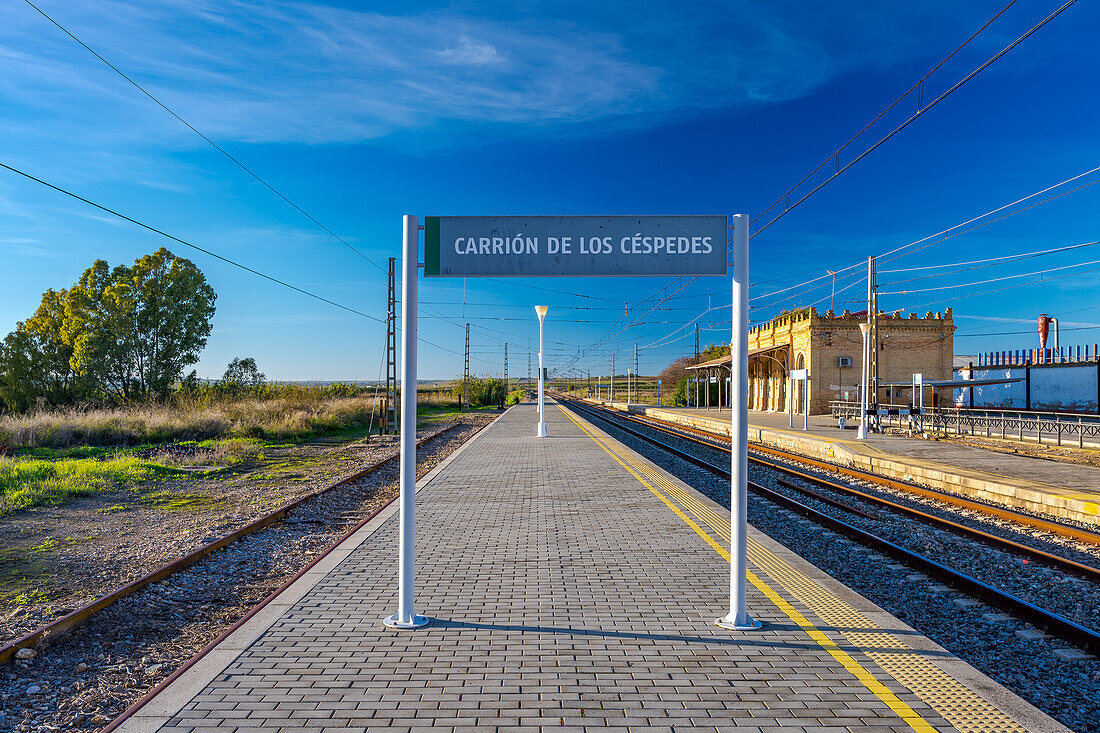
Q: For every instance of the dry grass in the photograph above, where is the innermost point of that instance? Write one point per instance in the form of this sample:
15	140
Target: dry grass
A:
278	419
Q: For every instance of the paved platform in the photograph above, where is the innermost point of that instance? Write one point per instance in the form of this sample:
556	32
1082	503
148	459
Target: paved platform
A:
1056	488
571	585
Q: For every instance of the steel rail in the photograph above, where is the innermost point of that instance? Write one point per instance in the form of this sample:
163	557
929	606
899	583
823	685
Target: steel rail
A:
1081	570
1066	629
72	620
709	438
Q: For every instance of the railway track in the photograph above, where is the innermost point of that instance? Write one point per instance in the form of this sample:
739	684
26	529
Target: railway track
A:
704	437
1064	628
1080	570
58	626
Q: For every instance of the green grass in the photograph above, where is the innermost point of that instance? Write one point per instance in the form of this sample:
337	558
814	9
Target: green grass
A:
26	482
435	413
53	454
178	500
23	572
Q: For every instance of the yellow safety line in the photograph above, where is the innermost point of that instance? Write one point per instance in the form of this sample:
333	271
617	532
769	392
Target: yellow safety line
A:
956	703
903	711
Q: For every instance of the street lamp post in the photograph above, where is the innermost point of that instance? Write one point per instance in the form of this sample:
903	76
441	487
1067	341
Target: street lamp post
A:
864	388
541	311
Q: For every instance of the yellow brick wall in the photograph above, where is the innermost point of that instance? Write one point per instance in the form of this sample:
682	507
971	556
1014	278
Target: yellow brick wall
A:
907	344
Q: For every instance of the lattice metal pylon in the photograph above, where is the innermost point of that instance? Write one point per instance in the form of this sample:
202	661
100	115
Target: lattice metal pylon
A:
635	371
466	372
505	367
390	416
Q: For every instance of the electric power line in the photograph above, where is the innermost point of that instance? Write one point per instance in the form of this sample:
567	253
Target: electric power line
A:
213	144
919	113
995	279
166	235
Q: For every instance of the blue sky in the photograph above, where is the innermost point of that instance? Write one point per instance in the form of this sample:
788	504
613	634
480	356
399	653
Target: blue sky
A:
361	114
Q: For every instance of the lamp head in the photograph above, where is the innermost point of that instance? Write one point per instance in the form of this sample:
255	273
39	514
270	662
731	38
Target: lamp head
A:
541	310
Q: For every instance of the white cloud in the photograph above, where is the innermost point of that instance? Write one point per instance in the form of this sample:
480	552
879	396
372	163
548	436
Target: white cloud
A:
309	73
469	52
301	73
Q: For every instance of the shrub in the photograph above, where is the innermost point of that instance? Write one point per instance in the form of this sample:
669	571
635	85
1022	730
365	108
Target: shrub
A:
484	391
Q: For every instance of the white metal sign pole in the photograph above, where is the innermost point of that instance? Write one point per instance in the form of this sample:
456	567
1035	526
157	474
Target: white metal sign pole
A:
541	433
806	403
406	618
738	618
790	402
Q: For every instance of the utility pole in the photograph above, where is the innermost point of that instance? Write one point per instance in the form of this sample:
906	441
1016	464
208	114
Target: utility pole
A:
466	371
611	394
506	368
528	361
695	379
389	417
873	306
635	370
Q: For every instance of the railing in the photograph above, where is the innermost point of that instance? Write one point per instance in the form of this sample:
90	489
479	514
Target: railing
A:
1019	425
1026	357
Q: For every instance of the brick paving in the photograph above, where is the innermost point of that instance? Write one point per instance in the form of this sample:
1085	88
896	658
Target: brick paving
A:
563	595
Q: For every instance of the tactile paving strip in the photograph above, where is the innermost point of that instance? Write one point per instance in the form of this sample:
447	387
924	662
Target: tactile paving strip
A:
958	704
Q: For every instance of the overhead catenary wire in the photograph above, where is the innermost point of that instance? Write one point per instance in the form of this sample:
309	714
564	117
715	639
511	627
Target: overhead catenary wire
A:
994	279
1042	280
208	252
1019	255
920	112
886	256
834	155
196	247
213	144
946	234
898	129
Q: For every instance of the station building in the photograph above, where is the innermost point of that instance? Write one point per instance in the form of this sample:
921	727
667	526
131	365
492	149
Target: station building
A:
831	347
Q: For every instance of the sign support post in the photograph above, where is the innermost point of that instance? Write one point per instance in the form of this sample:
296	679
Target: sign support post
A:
790	401
406	618
738	618
806	403
541	433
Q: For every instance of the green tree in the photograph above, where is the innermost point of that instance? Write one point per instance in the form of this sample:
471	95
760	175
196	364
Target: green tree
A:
175	306
99	327
35	359
134	329
244	373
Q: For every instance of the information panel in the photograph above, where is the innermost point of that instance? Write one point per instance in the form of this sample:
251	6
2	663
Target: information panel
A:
574	246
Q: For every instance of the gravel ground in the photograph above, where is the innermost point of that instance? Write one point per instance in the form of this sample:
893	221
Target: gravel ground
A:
982	636
1046	451
86	679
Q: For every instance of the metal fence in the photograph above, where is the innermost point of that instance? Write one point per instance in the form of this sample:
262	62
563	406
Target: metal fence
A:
1041	427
